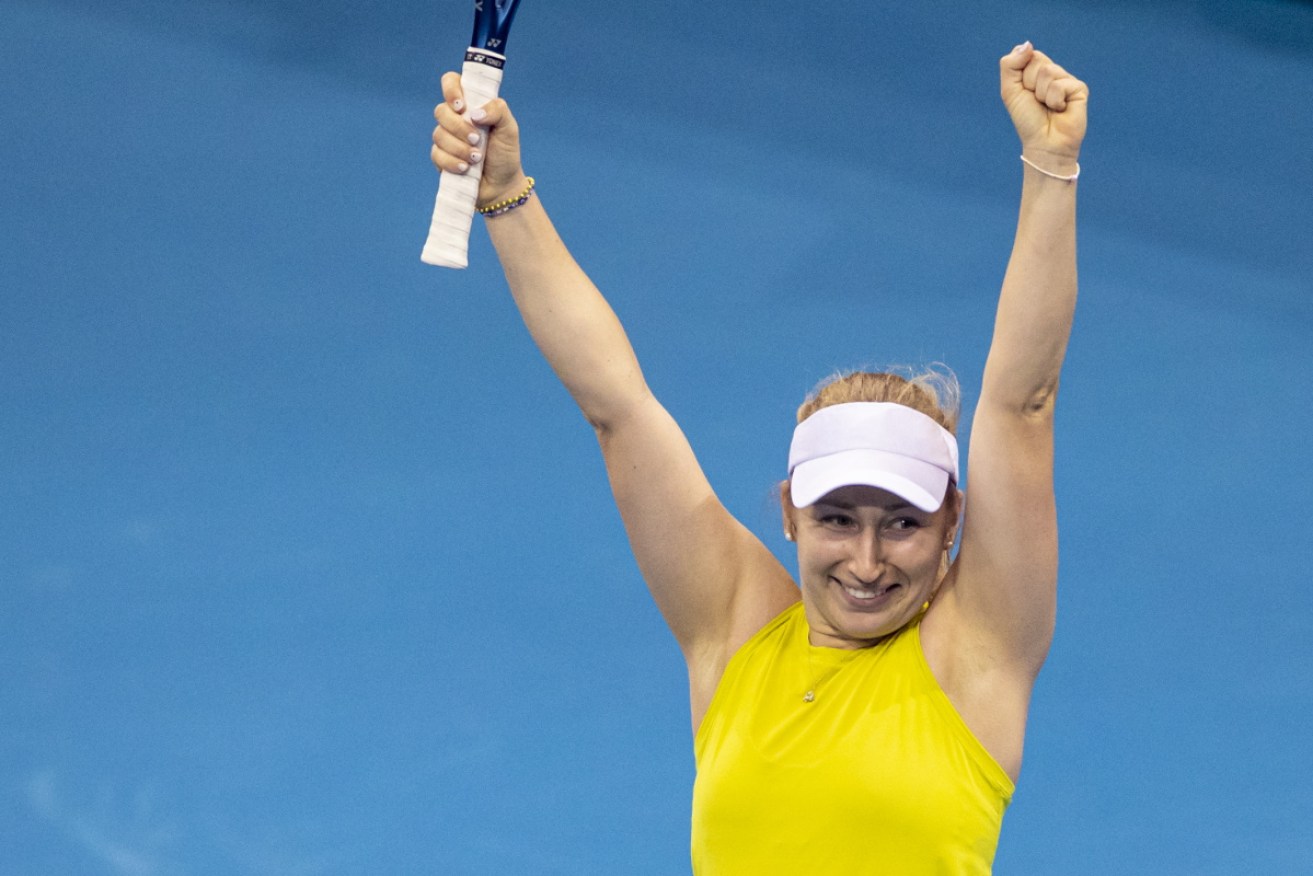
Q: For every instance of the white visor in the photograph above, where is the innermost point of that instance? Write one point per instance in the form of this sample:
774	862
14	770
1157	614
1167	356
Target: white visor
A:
875	444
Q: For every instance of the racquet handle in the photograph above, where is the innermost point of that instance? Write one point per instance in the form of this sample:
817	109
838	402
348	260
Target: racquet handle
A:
453	211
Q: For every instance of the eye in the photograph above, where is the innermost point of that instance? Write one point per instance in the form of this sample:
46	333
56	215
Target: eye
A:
837	520
905	524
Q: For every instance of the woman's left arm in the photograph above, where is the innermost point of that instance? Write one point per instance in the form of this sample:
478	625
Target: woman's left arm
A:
1004	585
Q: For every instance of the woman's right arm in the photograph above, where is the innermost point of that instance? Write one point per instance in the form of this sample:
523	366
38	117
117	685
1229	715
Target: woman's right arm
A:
714	582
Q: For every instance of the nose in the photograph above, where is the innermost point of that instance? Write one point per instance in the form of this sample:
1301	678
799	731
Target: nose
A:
867	561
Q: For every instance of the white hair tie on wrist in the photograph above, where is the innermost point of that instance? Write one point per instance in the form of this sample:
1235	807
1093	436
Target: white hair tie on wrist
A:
1050	173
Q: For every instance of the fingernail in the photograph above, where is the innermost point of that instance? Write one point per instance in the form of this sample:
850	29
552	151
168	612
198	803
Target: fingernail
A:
458	104
462	167
479	114
474	139
475	156
1017	50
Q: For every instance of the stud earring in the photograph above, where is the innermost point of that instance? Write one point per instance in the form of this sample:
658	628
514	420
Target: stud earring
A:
788	536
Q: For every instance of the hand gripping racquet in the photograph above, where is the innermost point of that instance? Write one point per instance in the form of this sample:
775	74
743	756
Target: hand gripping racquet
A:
480	77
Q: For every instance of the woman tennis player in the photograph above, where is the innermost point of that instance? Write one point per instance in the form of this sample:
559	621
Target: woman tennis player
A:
869	716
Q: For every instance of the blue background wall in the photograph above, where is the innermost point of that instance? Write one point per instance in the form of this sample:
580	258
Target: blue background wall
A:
309	567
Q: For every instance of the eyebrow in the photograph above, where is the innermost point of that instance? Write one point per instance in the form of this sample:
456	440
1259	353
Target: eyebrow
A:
897	505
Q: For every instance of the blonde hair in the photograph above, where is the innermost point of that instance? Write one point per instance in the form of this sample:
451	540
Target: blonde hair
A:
934	391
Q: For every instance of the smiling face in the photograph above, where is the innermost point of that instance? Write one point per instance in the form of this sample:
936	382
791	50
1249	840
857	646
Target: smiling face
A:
867	561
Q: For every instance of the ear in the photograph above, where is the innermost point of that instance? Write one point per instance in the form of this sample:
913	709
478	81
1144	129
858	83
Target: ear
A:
957	512
787	511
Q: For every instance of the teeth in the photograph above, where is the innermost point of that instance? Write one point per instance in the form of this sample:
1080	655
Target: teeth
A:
860	594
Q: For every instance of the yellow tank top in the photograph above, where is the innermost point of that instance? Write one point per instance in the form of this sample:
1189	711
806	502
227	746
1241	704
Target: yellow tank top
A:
874	773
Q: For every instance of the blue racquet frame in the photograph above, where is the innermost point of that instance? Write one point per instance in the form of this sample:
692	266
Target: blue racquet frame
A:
492	24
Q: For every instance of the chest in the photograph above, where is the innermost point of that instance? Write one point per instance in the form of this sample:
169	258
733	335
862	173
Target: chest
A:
844	762
875	765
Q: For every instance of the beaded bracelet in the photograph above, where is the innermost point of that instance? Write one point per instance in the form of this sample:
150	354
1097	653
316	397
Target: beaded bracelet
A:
1050	173
509	204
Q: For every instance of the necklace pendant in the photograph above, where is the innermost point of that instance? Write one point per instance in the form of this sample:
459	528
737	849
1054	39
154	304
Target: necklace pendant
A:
809	696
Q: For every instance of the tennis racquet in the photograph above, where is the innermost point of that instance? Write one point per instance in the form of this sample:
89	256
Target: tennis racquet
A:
480	77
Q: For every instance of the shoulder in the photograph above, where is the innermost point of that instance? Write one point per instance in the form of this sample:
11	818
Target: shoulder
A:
989	689
772	615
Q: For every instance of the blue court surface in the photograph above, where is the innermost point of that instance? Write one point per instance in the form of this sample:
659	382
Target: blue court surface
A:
309	566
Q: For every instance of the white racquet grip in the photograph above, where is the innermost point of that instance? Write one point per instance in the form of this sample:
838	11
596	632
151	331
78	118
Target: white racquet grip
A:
449	232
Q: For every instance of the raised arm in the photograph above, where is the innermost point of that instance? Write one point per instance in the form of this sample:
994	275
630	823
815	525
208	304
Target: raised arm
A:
1005	581
697	560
